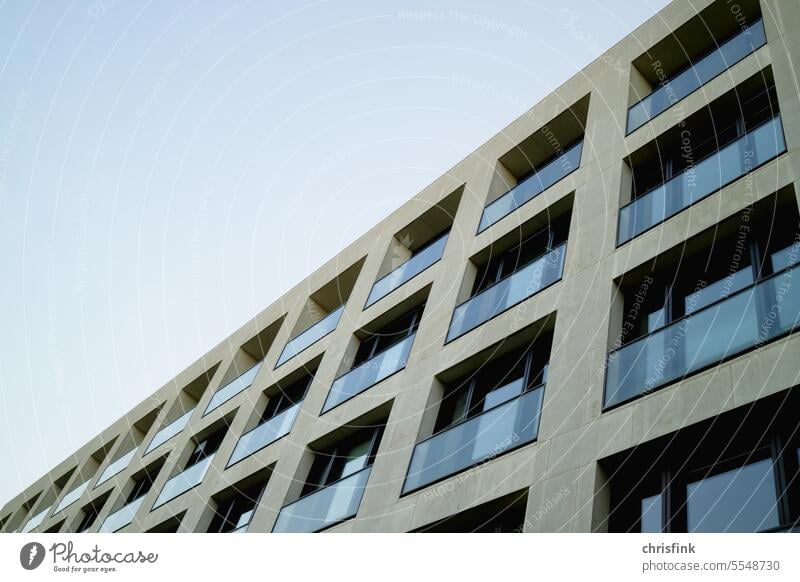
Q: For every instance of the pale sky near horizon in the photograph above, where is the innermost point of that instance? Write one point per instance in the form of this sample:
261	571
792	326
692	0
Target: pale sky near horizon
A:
168	169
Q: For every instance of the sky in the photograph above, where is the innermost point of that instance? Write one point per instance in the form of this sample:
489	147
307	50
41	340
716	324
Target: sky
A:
170	168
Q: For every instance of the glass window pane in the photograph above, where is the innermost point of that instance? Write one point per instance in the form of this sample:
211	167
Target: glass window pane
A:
354	460
785	258
741	500
244	518
452	409
651	514
656	320
503	394
718	290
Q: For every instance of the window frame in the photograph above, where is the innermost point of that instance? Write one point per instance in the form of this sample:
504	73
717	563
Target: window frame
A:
231	501
470	386
332	455
671	478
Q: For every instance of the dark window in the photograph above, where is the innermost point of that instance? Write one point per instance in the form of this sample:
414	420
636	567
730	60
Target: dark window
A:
388	335
737	472
434	239
504	263
652	515
287	397
496	382
235	512
90	513
720	129
742	499
503	515
349	456
733	262
141	485
206	447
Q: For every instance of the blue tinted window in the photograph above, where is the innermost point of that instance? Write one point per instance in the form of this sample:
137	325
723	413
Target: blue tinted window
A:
741	500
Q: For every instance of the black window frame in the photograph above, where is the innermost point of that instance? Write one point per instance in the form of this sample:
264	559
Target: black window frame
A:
502	265
206	447
674	286
286	397
90	514
223	523
736	439
668	164
142	485
321	475
371	346
477	386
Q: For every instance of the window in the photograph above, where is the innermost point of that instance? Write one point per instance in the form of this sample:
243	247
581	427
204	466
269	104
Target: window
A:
496	382
733	136
335	484
235	512
503	515
652	516
536	163
721	128
692	55
732	495
421	258
383	353
239	384
737	500
195	469
347	457
729	264
286	398
141	485
90	513
514	269
505	263
388	335
275	421
206	447
737	472
492	411
724	292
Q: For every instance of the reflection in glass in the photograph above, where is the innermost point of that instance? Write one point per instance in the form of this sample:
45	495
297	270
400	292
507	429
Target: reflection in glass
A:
508	292
35	520
652	514
324	507
744	320
310	336
531	186
116	467
233	388
182	482
264	434
122	517
701	180
478	439
72	496
741	500
169	431
683	84
374	370
421	260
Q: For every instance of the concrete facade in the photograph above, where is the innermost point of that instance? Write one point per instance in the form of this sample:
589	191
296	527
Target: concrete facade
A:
565	485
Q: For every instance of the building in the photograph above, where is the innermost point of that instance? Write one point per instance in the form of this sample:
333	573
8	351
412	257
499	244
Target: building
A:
586	325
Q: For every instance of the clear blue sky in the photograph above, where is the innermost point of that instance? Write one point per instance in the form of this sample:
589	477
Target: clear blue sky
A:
168	169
